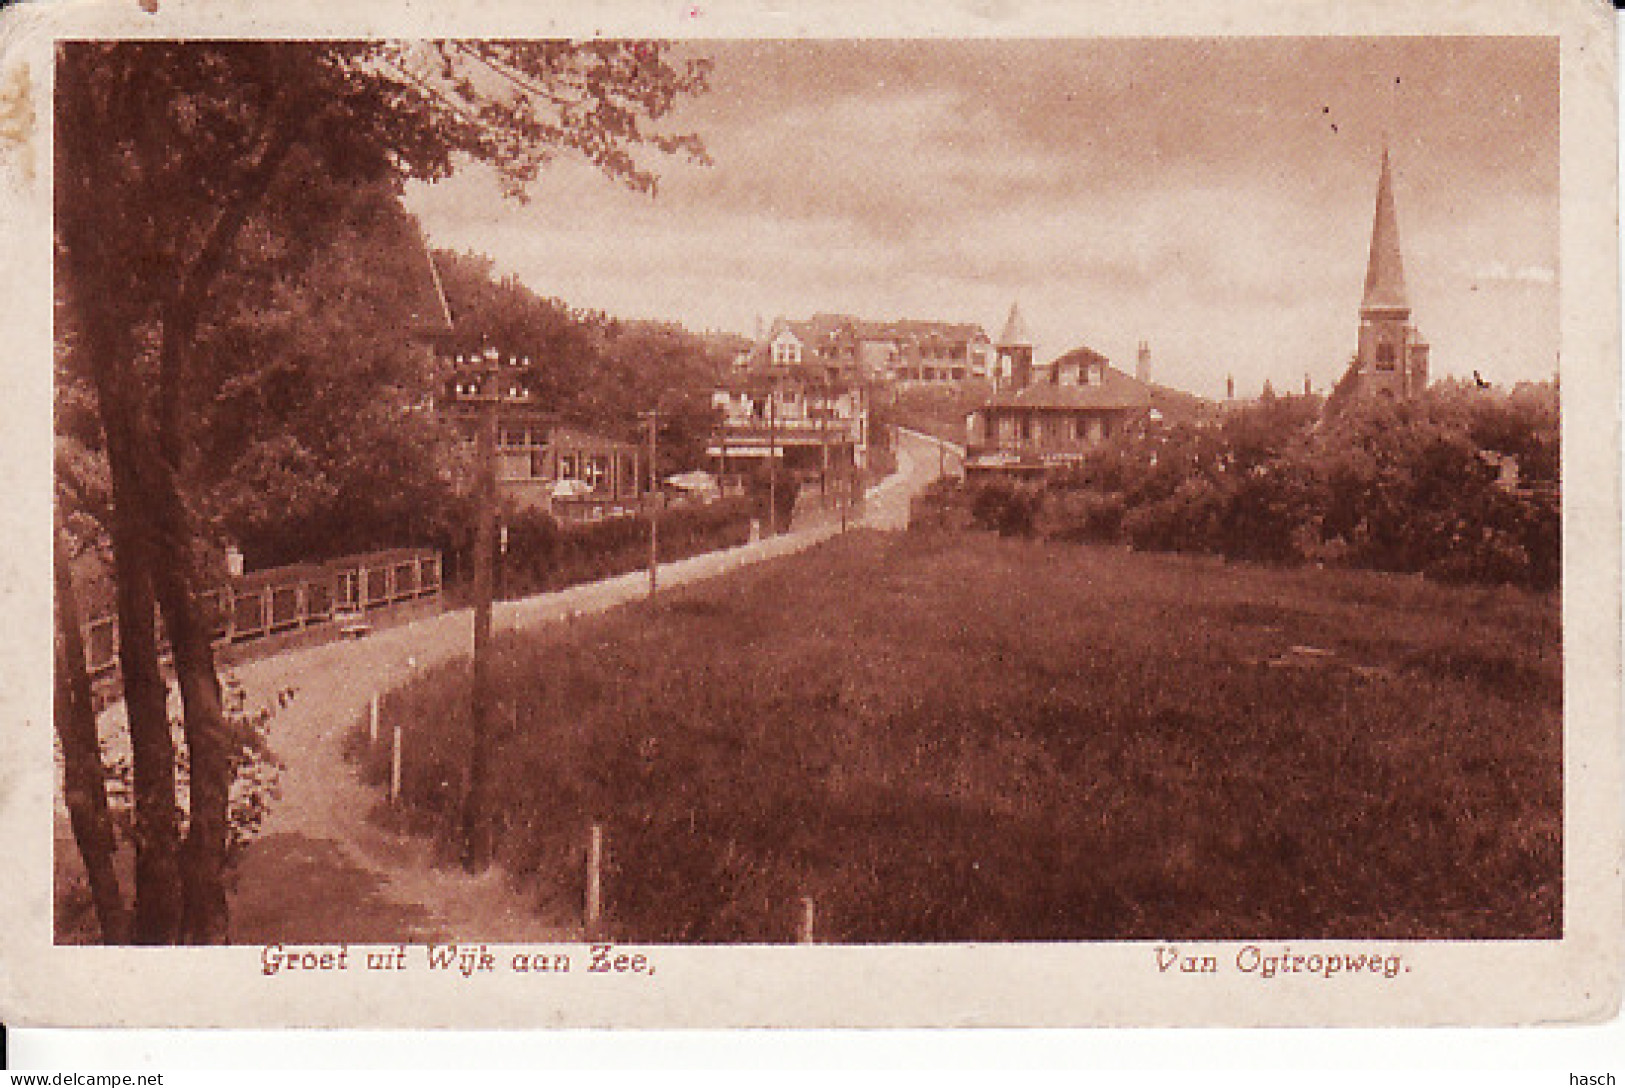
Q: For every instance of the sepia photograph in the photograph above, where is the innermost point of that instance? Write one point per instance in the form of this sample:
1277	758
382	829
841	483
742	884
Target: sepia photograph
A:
537	505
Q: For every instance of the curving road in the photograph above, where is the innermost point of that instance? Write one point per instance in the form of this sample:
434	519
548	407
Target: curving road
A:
322	870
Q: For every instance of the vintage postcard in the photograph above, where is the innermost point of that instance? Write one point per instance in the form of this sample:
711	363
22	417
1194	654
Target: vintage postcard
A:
713	515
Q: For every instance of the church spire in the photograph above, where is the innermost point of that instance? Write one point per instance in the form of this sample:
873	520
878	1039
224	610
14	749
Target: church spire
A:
1385	274
1015	330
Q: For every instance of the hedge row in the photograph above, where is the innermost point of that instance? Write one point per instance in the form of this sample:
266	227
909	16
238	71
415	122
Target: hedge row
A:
544	554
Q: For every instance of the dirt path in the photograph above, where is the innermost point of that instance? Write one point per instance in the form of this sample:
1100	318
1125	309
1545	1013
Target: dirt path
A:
323	870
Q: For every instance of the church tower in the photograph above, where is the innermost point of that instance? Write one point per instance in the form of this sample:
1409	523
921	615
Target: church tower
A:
1014	365
1391	358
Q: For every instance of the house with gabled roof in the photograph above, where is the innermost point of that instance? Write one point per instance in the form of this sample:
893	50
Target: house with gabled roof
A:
1071	406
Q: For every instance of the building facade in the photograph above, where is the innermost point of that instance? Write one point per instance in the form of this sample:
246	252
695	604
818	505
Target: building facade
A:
1072	406
804	418
898	351
543	463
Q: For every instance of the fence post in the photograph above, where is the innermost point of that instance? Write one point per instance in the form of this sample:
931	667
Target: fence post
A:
595	882
395	768
807	915
372	719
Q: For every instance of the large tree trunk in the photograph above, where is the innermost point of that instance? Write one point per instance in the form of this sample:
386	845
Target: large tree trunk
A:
157	833
205	917
107	330
84	775
146	696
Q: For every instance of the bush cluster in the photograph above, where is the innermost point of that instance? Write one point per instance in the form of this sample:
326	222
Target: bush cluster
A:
1409	486
544	554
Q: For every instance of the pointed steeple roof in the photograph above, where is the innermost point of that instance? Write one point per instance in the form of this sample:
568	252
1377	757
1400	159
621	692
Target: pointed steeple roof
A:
1385	274
1015	333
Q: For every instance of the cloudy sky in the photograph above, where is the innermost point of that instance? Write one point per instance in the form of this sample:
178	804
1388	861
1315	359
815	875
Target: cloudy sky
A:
1213	198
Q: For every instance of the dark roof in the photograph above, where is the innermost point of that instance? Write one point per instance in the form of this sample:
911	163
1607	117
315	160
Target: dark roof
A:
838	335
1178	405
423	295
1116	391
822	325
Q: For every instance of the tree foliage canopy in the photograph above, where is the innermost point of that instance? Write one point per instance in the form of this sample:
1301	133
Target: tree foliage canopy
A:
199	184
589	367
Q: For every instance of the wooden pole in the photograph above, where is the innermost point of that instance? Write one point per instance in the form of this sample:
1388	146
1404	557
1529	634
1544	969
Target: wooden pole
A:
823	443
395	767
595	878
773	459
847	494
655	497
476	847
722	473
805	936
372	719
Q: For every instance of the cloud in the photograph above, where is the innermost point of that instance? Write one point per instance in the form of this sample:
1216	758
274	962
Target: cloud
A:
1213	197
1500	272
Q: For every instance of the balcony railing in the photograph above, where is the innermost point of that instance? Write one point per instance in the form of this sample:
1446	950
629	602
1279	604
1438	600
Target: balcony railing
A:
798	431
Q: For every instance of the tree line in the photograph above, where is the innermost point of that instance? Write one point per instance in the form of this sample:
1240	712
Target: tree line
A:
1423	485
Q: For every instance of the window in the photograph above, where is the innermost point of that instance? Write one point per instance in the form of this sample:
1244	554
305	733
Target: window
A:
1385	356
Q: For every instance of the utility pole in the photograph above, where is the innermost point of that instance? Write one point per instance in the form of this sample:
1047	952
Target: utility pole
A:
823	443
656	495
722	474
476	824
843	497
773	459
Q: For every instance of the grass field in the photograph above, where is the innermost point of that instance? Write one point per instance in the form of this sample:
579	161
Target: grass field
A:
954	737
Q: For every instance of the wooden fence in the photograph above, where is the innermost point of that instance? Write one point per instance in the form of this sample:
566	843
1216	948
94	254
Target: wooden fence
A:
289	598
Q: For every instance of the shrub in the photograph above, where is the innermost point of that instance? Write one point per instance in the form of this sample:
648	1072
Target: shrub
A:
1268	512
1010	508
1085	517
543	554
1406	486
1188	520
942	505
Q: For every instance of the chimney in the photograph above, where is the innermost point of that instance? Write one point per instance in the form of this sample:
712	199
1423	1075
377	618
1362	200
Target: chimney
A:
1142	365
